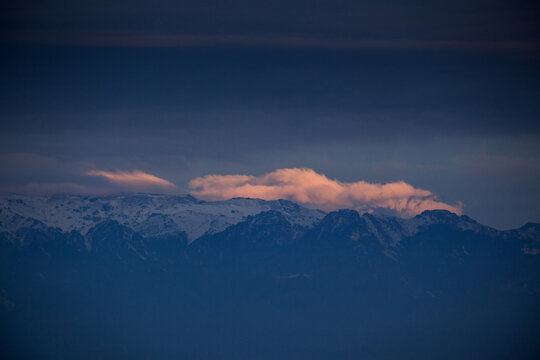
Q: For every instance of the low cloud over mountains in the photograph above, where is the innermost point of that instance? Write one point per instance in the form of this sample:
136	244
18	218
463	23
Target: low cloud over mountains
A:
315	190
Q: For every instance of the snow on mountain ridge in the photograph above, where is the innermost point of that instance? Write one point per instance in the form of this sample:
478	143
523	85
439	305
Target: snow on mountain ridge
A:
154	215
149	214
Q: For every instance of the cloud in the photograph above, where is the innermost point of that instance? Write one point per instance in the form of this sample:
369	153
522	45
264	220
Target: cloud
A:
121	182
135	179
315	190
144	39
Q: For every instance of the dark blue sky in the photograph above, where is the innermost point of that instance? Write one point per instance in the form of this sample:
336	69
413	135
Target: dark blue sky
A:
445	96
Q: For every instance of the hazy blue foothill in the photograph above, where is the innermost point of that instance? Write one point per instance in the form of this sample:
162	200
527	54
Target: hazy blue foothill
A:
280	283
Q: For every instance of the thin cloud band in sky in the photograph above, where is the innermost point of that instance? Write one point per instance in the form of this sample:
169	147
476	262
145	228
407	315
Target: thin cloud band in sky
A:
135	178
136	39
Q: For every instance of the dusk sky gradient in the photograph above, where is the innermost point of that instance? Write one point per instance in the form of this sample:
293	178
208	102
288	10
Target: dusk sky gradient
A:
442	96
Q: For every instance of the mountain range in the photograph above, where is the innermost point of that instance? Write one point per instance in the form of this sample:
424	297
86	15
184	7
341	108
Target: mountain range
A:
161	276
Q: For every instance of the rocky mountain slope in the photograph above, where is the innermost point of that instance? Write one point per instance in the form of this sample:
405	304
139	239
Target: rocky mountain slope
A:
148	214
154	276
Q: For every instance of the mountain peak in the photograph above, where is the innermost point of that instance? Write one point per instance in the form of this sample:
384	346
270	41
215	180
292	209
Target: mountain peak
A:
344	222
438	213
149	214
344	214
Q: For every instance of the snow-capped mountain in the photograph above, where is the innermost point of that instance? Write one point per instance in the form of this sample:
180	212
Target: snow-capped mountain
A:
390	230
148	214
184	272
158	215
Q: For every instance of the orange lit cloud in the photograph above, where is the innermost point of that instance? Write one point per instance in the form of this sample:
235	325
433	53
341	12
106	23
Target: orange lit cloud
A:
135	178
311	189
